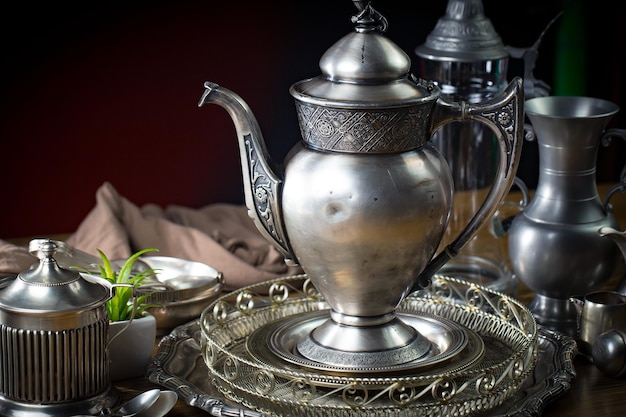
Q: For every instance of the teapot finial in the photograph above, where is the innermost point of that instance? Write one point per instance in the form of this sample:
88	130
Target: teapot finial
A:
368	19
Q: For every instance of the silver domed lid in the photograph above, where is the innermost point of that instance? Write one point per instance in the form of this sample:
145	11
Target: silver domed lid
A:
463	34
363	69
47	288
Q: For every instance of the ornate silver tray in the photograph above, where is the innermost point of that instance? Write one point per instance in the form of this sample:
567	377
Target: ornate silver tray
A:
179	363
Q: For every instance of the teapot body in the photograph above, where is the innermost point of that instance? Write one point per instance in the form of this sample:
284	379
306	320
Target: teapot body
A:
365	225
362	205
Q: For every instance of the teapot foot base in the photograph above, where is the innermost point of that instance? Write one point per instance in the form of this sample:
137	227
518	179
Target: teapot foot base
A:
389	344
292	341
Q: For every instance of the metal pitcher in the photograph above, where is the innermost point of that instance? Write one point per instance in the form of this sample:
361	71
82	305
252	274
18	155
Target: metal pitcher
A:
364	198
554	244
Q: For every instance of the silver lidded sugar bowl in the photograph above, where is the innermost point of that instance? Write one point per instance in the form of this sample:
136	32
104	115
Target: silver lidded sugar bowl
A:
365	198
53	338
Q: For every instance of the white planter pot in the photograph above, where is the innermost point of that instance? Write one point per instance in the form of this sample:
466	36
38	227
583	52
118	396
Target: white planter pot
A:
130	348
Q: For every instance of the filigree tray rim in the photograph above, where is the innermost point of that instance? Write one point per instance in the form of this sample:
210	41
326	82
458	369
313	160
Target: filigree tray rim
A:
554	348
227	322
546	387
224	317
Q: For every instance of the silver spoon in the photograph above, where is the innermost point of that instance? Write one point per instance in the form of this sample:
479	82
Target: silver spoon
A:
133	407
162	406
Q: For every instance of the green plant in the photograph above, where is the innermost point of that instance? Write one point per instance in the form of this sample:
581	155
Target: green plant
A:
121	306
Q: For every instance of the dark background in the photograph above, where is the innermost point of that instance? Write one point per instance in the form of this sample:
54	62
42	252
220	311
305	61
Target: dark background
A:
108	91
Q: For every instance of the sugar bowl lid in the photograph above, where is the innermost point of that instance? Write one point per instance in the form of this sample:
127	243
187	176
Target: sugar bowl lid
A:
48	289
363	69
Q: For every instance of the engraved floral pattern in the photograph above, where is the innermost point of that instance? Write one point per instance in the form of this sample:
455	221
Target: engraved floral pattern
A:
359	131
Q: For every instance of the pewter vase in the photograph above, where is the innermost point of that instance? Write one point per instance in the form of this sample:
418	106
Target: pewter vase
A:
554	244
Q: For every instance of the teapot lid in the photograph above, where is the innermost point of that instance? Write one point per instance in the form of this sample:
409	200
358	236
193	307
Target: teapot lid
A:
463	34
48	288
364	69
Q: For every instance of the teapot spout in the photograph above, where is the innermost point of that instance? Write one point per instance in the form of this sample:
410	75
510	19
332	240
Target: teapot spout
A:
618	237
262	187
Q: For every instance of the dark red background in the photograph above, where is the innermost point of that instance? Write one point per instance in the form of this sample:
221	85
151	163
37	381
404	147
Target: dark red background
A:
108	91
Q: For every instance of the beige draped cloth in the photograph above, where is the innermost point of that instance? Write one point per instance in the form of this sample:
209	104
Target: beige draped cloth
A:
220	235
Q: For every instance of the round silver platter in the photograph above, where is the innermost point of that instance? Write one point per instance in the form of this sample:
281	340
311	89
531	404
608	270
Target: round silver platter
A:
248	338
453	347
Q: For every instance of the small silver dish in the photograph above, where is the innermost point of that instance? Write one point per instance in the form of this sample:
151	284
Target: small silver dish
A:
179	279
180	287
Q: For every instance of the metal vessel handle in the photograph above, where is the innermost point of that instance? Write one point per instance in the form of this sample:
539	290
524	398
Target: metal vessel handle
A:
504	115
606	139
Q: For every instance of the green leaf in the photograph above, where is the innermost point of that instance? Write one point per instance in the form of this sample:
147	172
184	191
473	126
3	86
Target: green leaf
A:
120	305
106	269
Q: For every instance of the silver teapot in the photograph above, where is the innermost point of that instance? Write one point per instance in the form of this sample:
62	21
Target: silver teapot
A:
364	198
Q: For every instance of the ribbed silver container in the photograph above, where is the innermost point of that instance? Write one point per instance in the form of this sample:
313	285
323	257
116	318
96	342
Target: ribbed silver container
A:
53	337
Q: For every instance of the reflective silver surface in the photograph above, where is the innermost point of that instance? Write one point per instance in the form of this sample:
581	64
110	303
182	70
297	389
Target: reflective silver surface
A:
365	197
162	406
463	34
619	237
609	353
53	336
599	312
554	245
467	59
175	278
136	404
180	279
448	343
178	365
281	387
181	288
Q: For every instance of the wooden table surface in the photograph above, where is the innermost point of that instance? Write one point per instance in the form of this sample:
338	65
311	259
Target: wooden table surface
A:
591	393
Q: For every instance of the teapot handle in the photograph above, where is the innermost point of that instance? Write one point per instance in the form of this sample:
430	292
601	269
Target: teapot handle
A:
504	115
